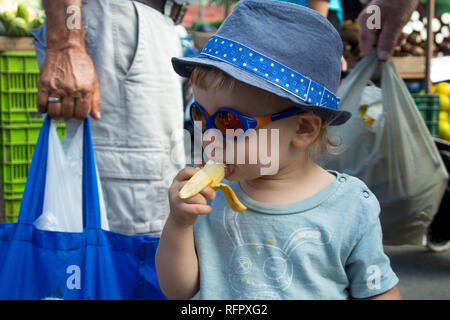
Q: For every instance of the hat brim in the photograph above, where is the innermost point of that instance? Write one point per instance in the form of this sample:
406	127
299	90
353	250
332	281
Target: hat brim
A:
184	67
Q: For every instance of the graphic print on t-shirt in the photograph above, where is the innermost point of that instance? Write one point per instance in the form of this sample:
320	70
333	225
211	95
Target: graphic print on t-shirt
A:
262	270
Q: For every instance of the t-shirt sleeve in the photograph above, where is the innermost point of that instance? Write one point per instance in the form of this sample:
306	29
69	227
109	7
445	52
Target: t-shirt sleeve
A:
368	267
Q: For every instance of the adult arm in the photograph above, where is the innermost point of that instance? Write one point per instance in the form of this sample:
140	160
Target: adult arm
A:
320	6
67	72
393	15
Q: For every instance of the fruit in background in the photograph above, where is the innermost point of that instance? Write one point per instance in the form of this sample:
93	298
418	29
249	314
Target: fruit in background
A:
444	116
36	23
6	18
2	29
18	28
444	102
22	12
444	130
18	19
443	88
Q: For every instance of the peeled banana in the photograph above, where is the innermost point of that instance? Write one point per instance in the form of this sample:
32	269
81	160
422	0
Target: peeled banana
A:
211	175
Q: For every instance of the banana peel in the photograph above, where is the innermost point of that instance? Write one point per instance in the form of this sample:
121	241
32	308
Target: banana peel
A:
232	199
211	175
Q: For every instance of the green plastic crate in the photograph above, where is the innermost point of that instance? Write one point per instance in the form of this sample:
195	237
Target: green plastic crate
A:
20	133
14	176
18	61
16	159
12	206
25	133
19	76
17	149
428	105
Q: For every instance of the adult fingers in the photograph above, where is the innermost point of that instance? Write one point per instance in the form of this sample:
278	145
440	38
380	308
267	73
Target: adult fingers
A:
367	40
54	108
82	106
386	43
95	103
68	107
42	99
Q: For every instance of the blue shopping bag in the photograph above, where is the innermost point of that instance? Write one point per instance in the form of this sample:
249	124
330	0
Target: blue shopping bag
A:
93	264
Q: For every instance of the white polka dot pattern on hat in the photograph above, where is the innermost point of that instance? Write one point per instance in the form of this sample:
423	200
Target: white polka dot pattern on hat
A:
287	79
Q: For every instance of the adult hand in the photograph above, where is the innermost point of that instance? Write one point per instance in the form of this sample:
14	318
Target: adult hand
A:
67	72
69	75
393	17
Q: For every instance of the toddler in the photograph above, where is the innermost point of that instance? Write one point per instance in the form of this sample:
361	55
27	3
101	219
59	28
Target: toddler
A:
272	70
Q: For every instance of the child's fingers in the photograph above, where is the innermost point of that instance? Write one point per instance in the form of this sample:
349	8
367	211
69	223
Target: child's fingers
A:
208	193
195	199
199	165
196	209
185	174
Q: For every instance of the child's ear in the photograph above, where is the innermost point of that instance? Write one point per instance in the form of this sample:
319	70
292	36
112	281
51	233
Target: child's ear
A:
308	129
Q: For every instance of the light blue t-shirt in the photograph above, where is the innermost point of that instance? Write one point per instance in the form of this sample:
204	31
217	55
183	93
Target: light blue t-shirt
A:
328	246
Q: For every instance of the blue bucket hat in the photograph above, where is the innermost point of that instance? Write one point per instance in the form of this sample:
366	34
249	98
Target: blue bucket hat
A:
285	49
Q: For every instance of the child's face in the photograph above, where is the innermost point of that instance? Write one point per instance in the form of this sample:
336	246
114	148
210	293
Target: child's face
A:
256	153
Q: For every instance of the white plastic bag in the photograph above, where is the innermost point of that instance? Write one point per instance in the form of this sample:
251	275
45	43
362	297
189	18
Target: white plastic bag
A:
62	209
398	159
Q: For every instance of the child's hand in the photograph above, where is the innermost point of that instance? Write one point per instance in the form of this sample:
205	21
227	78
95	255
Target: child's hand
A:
184	212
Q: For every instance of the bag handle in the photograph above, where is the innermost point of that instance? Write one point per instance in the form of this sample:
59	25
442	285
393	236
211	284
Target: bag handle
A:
33	197
91	202
358	78
351	90
390	75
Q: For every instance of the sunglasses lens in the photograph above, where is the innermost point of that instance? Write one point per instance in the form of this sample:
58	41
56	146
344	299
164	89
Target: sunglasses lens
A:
227	120
197	116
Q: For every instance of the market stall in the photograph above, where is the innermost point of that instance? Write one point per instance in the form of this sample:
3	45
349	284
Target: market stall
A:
20	120
422	60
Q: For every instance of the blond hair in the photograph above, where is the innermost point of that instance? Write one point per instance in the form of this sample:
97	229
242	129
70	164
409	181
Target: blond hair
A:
210	78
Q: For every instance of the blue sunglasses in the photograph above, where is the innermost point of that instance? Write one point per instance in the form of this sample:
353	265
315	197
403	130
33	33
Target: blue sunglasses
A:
226	118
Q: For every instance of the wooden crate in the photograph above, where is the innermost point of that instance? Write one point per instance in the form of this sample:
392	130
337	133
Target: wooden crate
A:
409	68
16	44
